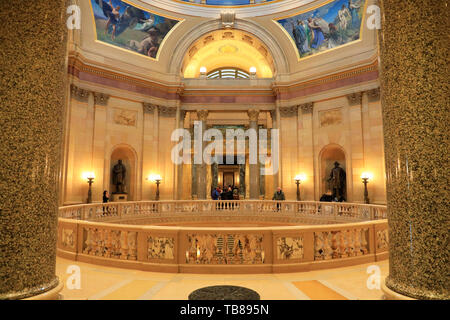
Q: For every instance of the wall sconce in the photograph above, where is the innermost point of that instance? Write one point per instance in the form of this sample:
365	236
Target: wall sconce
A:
157	179
298	179
252	72
366	176
89	176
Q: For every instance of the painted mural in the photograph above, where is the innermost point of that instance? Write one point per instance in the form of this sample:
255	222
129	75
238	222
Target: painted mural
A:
332	25
123	25
228	2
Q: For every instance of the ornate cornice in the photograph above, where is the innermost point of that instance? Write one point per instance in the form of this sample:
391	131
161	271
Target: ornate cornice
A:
354	98
79	94
202	114
148	107
167	111
101	99
288	111
307	107
374	94
253	114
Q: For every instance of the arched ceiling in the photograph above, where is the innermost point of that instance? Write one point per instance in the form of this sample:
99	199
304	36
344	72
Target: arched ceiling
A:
228	48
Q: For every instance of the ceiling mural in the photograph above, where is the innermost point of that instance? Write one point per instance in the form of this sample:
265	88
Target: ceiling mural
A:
228	3
126	26
333	24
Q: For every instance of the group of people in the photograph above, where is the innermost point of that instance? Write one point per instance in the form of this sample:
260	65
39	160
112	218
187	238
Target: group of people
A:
230	193
315	32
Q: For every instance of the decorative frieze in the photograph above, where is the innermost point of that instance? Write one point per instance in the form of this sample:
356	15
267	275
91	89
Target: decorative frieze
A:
253	114
330	117
289	111
161	248
354	98
101	99
289	248
125	117
79	94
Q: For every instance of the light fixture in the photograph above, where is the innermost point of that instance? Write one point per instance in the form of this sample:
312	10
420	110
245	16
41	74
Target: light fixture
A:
298	179
89	176
252	70
157	179
202	71
366	176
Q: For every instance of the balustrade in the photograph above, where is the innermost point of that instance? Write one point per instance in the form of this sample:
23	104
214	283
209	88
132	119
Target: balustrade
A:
338	232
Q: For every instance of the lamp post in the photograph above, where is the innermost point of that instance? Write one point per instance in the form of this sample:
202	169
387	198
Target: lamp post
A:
366	176
89	176
157	179
298	179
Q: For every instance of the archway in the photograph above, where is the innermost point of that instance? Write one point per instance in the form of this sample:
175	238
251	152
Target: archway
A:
129	159
327	157
228	49
280	62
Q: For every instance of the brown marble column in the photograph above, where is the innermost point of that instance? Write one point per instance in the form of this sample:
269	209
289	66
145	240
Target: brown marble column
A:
414	94
254	168
201	168
33	84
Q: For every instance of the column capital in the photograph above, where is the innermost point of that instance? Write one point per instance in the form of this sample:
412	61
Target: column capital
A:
288	111
149	107
79	94
374	94
101	99
167	111
307	107
202	114
253	114
354	98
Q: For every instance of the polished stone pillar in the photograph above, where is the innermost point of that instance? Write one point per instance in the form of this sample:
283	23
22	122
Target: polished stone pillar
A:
254	168
33	85
201	168
414	94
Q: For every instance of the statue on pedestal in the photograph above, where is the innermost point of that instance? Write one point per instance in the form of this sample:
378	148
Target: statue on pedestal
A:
118	176
337	182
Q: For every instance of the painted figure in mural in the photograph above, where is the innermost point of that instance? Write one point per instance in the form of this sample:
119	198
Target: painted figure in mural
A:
301	37
113	15
333	36
337	180
344	17
354	9
149	46
118	175
318	36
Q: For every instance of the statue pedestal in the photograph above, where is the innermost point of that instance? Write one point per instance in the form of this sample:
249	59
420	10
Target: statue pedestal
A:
119	197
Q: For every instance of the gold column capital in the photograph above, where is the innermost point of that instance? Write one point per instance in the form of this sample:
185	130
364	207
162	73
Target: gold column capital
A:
253	114
202	114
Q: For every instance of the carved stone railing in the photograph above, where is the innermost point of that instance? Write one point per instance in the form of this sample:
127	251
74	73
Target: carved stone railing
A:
124	235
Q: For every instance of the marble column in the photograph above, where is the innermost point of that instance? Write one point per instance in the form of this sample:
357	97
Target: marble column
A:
414	96
254	167
201	168
33	86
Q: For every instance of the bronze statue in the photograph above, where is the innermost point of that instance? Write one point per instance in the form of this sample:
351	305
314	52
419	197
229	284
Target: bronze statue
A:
337	182
118	175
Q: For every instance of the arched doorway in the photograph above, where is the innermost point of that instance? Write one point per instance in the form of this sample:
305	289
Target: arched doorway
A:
327	157
128	156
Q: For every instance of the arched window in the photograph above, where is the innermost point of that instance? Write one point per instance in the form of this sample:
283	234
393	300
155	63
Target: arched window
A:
228	73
